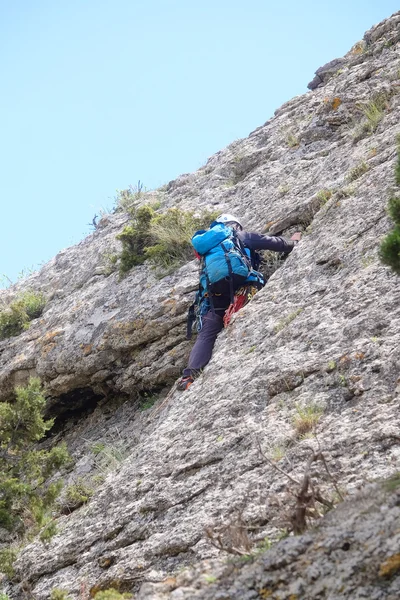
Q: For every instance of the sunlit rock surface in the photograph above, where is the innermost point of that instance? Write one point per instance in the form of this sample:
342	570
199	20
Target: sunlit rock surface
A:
324	332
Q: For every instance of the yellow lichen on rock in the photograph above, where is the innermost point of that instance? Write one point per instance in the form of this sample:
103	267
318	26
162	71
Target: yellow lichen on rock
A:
390	566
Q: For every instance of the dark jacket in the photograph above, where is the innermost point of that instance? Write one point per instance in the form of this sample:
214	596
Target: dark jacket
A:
257	241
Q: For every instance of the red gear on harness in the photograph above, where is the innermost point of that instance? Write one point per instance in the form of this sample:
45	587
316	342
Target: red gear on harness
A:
242	297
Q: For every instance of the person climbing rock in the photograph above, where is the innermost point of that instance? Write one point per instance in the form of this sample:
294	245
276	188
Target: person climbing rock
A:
229	267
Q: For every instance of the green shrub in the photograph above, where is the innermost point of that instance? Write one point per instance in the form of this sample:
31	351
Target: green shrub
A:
24	495
7	559
33	303
163	239
135	237
389	251
394	209
16	317
4	596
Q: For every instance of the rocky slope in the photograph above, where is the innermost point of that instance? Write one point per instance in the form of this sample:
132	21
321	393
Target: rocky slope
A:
322	338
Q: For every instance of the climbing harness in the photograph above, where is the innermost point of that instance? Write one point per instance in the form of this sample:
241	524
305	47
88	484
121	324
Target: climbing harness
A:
242	297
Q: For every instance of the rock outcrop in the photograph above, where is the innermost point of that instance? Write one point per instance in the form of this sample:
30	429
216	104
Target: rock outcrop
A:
322	338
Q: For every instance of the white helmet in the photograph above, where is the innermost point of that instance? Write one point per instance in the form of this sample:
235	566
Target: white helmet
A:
226	218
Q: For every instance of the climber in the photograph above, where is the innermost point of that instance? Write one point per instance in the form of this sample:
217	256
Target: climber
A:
224	246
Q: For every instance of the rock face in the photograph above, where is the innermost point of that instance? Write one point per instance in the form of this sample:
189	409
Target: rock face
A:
322	338
341	560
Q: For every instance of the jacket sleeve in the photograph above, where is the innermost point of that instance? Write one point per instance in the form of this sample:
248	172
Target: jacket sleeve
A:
257	241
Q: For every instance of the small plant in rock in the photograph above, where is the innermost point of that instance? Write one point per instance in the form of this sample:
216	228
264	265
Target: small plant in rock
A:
241	167
287	320
359	47
265	545
25	498
357	171
4	596
283	189
48	532
278	452
210	578
109	457
345	192
147	401
59	594
366	261
76	495
110	260
306	418
324	195
128	199
393	483
16	317
112	594
373	112
270	262
292	140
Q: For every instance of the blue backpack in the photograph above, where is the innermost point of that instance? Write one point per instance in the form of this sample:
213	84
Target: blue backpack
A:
226	265
223	255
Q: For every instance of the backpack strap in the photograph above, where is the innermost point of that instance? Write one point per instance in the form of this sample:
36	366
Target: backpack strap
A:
190	320
230	271
209	290
242	249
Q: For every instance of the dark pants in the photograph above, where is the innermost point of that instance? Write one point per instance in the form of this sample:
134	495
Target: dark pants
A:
212	325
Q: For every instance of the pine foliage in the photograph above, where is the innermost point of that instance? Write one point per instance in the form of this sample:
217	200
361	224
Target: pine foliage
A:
389	251
24	495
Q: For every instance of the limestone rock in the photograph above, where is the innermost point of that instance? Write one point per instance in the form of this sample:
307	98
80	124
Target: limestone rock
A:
323	336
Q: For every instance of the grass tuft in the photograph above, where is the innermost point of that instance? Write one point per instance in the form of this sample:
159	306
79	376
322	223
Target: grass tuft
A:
357	171
306	418
163	239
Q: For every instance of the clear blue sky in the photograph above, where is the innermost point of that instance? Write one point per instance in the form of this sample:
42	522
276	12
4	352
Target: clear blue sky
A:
97	94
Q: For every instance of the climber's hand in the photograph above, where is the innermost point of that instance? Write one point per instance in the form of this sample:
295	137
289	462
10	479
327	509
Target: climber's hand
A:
296	237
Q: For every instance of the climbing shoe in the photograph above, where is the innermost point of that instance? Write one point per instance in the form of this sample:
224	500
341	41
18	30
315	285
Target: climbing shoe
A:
185	383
